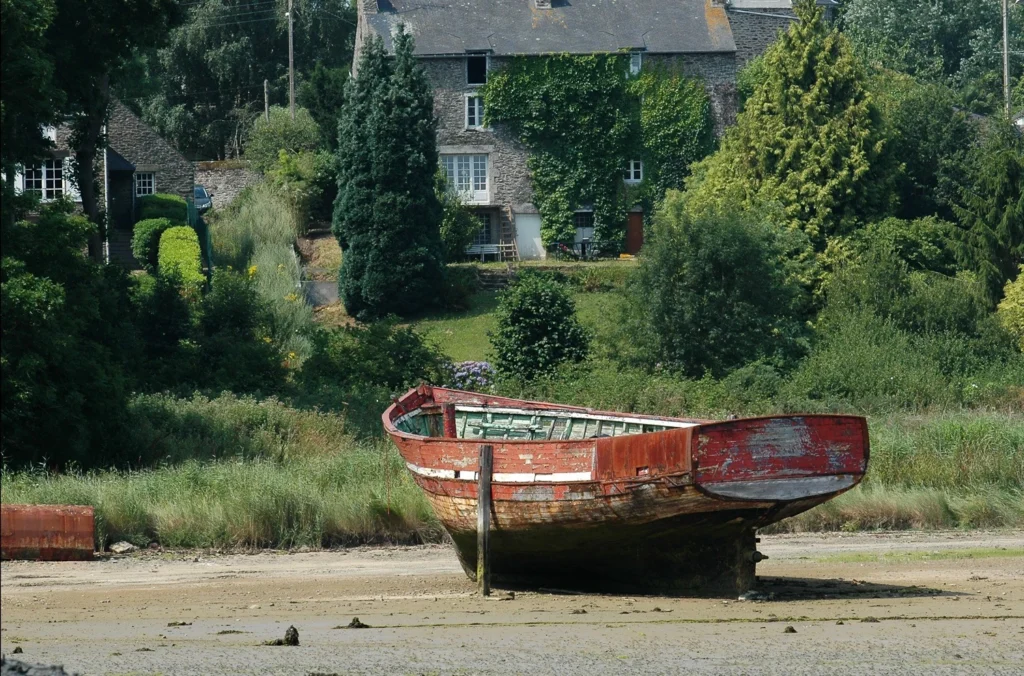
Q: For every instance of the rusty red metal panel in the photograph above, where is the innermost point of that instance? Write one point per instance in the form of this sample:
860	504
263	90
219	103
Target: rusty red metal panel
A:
643	455
780	447
47	532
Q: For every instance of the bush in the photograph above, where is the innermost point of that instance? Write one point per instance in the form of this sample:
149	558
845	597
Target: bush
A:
161	205
266	139
460	283
255	218
378	354
180	256
458	224
146	240
709	295
537	328
1011	308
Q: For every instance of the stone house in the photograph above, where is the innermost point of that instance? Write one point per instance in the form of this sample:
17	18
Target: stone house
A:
460	41
136	162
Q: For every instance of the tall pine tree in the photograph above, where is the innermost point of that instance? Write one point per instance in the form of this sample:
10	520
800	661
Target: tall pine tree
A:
809	138
387	216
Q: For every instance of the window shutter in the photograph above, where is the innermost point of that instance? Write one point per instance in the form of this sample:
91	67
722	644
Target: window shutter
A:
19	181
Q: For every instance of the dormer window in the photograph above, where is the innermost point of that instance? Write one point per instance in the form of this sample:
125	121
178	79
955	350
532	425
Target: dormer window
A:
476	70
636	62
634	172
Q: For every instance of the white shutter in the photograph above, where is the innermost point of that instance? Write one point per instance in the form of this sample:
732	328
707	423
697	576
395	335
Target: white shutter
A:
71	182
19	181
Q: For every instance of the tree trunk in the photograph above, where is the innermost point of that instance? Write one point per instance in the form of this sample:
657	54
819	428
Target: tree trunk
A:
87	141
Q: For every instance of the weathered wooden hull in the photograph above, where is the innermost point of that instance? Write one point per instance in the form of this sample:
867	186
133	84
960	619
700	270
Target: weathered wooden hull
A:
674	509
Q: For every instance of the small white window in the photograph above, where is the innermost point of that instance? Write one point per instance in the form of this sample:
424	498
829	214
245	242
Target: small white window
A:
636	62
144	184
634	172
474	112
467	175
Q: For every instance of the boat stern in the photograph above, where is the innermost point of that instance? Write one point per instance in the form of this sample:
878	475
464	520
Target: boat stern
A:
781	458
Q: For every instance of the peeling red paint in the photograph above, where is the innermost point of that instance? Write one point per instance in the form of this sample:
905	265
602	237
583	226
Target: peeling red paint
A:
46	532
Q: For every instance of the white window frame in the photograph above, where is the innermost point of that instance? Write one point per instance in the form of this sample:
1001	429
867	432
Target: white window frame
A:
636	62
52	178
474	103
152	183
634	173
469	175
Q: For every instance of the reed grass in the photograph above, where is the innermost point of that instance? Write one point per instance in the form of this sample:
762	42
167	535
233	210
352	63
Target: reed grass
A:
237	472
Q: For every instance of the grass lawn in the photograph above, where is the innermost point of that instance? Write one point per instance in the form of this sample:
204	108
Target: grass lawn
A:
463	335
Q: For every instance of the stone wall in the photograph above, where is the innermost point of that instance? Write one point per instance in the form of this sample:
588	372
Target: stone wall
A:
717	71
754	32
139	143
225	179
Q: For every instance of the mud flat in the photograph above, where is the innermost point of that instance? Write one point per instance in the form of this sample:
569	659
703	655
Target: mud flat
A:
936	603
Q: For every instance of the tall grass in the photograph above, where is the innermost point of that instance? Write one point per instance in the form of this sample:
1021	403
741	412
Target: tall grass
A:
256	233
360	494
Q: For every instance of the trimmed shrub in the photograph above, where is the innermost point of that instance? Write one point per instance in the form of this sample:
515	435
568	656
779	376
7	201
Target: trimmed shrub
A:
537	328
162	205
180	256
146	240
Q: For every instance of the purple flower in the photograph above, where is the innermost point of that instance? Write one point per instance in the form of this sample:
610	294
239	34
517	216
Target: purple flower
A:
475	376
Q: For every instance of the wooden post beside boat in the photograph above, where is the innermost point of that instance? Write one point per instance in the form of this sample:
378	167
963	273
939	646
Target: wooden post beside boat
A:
448	413
483	520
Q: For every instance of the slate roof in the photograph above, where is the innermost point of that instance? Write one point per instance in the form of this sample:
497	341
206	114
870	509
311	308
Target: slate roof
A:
508	27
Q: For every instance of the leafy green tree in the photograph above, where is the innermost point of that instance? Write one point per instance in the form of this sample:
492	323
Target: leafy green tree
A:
267	138
709	295
953	41
30	98
387	216
209	77
537	329
458	224
810	139
323	94
69	347
1011	308
990	208
108	32
930	135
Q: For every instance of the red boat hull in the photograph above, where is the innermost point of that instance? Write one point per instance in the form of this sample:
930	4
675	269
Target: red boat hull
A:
670	510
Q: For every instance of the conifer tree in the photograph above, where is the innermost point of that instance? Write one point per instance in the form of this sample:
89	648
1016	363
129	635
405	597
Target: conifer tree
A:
809	138
387	216
990	238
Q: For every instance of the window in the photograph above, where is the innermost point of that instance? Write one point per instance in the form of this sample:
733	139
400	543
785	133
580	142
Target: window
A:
634	172
476	70
144	184
636	62
584	220
46	180
483	236
467	175
474	112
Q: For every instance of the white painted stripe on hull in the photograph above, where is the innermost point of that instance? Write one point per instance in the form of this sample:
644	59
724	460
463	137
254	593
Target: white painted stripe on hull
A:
501	477
780	489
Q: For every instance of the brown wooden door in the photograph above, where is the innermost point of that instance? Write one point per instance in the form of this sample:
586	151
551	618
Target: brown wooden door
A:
634	232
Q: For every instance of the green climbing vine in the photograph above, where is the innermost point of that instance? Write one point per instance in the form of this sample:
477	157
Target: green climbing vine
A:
582	119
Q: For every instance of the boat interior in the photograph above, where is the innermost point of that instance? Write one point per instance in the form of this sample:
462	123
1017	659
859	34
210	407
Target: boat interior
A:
488	422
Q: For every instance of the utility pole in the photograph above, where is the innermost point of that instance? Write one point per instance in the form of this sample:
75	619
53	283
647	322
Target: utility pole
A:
1006	55
266	100
291	60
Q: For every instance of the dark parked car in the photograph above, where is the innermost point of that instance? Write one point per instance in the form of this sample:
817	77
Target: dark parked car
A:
202	198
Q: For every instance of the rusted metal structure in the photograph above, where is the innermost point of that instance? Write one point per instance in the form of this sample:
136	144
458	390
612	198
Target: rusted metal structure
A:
591	499
47	532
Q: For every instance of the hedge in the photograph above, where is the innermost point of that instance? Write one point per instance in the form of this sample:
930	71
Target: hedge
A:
180	255
162	205
146	240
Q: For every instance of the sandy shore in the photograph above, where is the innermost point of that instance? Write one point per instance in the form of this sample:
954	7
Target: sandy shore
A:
883	603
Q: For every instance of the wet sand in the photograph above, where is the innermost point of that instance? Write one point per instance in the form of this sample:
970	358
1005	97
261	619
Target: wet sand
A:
937	603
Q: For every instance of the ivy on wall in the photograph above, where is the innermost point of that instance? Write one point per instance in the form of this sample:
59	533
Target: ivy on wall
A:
582	118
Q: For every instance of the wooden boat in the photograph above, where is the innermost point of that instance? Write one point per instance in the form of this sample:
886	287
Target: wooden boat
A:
591	499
